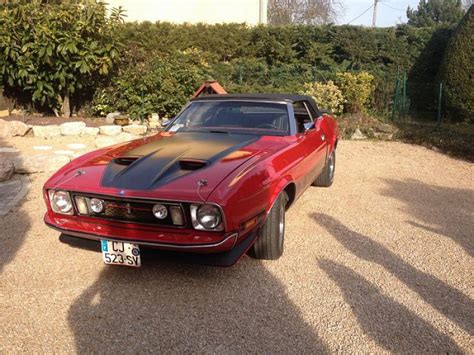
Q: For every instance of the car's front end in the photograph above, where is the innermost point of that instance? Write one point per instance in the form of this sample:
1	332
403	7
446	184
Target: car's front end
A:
156	192
169	225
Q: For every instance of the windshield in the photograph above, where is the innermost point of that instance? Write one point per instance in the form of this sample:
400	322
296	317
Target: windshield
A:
233	116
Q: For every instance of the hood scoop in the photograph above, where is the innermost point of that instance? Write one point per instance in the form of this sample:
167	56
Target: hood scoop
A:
160	161
125	161
192	164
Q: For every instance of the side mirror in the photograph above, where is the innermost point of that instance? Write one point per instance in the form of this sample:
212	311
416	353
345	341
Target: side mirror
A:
165	123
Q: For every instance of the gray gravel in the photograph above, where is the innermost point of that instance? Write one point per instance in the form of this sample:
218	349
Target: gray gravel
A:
381	261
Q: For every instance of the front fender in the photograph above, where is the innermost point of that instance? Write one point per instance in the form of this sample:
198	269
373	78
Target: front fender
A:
276	190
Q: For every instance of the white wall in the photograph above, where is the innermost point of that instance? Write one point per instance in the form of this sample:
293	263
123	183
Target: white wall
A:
193	11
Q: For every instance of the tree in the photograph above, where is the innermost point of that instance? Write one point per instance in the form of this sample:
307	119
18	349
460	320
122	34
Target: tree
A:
456	70
310	12
435	12
51	50
467	4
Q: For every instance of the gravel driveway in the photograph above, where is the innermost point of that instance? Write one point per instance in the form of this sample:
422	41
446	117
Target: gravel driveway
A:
381	261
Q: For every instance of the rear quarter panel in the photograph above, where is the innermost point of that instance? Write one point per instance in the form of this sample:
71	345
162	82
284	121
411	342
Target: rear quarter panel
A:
331	130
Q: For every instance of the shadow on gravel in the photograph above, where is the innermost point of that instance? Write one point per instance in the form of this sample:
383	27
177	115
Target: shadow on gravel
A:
170	307
447	300
389	323
442	210
15	225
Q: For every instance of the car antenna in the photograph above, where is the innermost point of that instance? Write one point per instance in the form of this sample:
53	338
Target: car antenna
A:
201	183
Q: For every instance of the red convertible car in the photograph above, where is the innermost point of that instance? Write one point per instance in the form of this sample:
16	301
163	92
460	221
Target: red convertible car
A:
214	184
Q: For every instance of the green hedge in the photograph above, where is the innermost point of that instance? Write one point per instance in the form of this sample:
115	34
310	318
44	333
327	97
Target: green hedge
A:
457	71
274	58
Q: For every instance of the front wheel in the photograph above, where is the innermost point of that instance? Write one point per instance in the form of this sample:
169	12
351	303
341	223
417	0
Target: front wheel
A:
269	242
326	178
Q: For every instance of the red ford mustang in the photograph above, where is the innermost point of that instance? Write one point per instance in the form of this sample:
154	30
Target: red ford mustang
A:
215	184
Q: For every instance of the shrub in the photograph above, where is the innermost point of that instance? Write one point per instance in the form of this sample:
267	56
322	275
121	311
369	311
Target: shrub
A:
51	51
357	89
161	84
327	95
457	70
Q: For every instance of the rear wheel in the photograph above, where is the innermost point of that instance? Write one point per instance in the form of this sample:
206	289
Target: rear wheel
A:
269	242
327	175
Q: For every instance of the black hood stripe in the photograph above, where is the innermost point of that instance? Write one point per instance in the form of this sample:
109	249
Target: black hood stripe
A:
158	162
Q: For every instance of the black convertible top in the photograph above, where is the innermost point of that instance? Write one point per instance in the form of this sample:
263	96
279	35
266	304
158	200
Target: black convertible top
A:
262	97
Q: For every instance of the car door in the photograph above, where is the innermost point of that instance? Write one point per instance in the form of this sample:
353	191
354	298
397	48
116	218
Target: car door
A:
312	141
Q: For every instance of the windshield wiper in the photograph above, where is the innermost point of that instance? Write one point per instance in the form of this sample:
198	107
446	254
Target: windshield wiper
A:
216	131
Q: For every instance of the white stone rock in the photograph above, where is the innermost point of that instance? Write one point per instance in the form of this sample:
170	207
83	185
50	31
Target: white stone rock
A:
125	136
153	124
76	146
104	141
8	150
90	131
110	130
109	119
135	129
69	153
5	131
42	147
7	169
18	128
50	131
357	135
72	128
39	163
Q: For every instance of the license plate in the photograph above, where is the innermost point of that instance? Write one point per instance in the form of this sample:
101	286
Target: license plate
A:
120	253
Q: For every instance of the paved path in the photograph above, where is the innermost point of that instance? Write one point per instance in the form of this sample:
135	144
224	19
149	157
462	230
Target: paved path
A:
381	261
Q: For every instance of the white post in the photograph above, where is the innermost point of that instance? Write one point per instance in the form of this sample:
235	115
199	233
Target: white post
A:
374	15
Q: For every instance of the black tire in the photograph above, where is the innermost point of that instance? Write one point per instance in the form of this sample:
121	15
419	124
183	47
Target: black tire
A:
269	242
327	175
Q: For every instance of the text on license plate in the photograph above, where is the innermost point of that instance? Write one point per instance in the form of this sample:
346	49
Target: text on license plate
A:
120	253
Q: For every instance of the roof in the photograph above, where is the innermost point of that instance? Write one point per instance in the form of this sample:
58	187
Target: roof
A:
261	97
210	87
256	97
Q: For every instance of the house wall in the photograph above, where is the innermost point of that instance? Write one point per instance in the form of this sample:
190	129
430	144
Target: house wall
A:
193	11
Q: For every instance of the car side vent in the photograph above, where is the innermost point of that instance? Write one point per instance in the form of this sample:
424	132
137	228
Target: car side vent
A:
191	164
125	160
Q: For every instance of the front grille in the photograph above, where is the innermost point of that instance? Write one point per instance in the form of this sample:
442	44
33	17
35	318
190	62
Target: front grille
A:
132	211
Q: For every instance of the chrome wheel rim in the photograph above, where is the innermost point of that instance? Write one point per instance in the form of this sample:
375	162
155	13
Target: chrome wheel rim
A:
281	226
331	166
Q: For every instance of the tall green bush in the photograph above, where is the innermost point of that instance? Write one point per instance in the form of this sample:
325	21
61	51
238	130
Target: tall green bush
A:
159	84
457	71
51	51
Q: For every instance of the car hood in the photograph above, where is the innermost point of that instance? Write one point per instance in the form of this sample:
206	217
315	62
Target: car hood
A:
158	162
172	164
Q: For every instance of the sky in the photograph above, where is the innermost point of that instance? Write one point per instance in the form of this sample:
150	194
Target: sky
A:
389	12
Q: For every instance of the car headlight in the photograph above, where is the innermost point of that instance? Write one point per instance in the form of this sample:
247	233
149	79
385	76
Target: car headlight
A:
97	205
206	217
60	201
